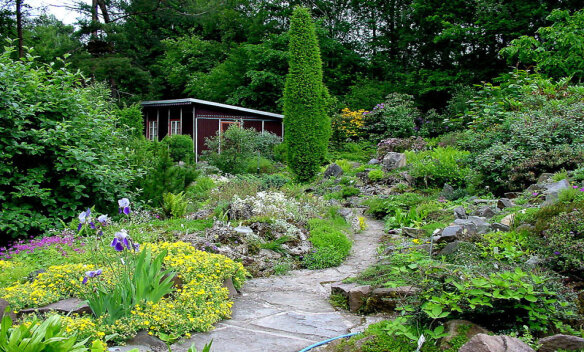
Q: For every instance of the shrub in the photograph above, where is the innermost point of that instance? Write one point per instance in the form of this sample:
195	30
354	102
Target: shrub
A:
60	149
400	145
130	119
260	165
174	205
565	239
305	99
439	166
393	118
375	175
180	148
347	126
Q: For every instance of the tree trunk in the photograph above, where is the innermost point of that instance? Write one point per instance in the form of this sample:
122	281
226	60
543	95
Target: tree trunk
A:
19	28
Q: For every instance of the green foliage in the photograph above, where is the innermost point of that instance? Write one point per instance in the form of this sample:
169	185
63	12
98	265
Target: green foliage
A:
305	99
564	236
130	119
174	205
355	151
552	51
180	148
37	336
59	147
400	218
200	189
234	150
330	242
439	166
393	118
142	281
510	246
260	165
375	175
380	207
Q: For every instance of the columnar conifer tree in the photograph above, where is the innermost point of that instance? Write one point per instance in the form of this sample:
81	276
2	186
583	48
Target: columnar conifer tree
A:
305	97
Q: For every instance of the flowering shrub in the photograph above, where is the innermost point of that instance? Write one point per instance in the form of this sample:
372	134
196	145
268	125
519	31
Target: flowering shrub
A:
276	205
399	145
565	237
393	118
347	125
64	245
439	166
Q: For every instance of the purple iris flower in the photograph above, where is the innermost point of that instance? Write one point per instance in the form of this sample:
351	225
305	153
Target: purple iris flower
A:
102	219
85	218
89	274
120	240
124	206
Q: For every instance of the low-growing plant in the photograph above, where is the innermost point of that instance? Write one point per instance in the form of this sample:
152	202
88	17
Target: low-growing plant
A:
400	218
331	245
375	175
174	205
439	166
565	238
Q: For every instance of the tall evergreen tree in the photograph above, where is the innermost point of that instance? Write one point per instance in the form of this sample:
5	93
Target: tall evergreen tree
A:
305	99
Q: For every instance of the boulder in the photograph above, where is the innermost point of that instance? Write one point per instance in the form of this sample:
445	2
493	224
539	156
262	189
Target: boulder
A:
228	283
500	227
460	213
560	342
66	306
508	220
504	203
447	191
534	260
373	162
453	327
474	225
543	178
450	233
393	161
385	299
333	170
142	338
477	201
3	305
484	211
450	248
340	288
485	343
357	297
512	195
413	232
552	191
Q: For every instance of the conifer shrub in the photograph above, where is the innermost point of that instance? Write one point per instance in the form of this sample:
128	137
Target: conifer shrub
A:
305	100
180	148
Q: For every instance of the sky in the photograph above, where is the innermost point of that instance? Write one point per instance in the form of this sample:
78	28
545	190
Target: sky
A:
59	8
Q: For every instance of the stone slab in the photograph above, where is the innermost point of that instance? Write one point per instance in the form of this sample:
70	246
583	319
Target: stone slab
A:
319	326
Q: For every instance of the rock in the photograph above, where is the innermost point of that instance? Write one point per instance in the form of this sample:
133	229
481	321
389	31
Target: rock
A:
504	203
485	211
460	213
483	201
534	260
474	225
347	214
447	191
357	296
228	283
450	233
450	248
129	348
413	232
243	211
508	220
393	161
269	254
485	343
452	328
500	227
386	299
552	191
142	338
512	195
3	305
525	227
66	306
373	162
543	178
340	288
201	214
560	342
333	170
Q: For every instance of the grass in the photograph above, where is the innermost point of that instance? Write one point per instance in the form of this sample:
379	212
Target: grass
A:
331	245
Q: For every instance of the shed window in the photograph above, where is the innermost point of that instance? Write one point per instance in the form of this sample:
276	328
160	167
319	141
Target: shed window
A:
153	130
175	127
226	124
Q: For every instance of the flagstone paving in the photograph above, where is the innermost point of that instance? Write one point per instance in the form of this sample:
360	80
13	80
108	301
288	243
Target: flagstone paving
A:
290	312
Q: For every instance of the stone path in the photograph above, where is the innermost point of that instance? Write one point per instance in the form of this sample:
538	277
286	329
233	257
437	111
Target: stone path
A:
290	312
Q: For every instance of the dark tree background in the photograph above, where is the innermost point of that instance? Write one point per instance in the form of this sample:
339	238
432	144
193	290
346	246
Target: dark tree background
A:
235	51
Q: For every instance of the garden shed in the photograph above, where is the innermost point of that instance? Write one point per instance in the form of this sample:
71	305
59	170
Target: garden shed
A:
201	119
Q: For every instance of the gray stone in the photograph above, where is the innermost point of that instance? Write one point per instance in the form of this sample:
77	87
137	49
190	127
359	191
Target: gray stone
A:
373	162
485	211
129	348
504	203
534	260
142	338
460	213
500	227
66	306
393	161
201	214
543	178
413	232
447	191
474	225
483	201
3	305
228	283
386	299
333	170
508	220
552	191
512	195
357	296
450	248
452	328
486	343
560	342
340	288
450	233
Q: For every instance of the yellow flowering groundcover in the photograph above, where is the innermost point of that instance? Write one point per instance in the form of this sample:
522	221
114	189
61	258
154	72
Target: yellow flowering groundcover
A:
196	306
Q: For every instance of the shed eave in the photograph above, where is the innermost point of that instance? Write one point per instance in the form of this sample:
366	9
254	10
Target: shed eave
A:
187	101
